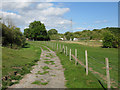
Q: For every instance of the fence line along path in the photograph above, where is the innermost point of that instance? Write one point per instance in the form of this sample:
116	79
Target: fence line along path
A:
48	73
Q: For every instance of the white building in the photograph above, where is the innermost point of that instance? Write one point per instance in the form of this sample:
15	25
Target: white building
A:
61	38
75	39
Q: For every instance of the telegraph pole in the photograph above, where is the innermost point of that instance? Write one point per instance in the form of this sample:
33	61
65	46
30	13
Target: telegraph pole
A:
71	29
71	26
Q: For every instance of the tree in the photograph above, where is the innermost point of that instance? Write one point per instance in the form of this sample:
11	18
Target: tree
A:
52	32
69	35
18	37
26	32
36	31
54	37
107	41
12	36
111	37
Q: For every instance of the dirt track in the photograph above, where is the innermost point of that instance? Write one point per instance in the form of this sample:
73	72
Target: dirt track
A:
41	77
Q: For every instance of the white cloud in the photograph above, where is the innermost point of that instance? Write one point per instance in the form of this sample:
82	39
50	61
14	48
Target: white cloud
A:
44	5
87	28
29	1
80	28
61	1
101	21
12	17
5	14
54	11
47	13
14	5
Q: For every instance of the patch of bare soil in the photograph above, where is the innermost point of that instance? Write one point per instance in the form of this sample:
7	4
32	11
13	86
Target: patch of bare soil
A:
48	73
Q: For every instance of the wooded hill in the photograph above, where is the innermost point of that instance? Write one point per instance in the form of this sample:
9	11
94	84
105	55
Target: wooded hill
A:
13	37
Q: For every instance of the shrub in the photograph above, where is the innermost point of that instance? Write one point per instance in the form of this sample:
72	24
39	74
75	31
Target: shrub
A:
109	40
12	36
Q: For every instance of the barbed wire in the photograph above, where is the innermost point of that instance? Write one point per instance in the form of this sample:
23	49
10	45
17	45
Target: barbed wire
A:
93	58
92	64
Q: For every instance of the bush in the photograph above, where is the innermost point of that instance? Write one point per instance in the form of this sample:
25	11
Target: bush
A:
110	41
12	36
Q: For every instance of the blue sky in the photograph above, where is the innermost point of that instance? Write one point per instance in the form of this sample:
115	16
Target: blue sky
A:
85	15
93	14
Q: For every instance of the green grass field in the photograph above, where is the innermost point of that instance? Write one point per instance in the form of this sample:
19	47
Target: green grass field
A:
19	61
93	43
75	75
0	65
96	58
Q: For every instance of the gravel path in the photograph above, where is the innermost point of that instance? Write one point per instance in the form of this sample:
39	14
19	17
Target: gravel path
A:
48	73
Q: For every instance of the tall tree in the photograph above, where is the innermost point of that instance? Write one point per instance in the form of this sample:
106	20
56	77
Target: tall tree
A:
36	31
52	31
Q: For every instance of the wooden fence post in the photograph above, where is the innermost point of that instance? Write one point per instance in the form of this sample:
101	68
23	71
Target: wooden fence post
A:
86	62
53	45
60	47
63	49
75	56
57	46
70	55
107	73
66	50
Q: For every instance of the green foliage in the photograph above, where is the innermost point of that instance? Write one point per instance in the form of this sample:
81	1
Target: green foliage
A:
12	36
49	62
36	31
109	35
96	34
54	37
108	40
69	35
39	82
111	38
77	34
36	82
26	32
45	68
52	31
45	72
13	77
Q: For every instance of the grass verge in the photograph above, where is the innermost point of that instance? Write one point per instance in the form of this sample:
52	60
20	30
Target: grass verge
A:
45	72
76	76
45	68
49	62
40	82
17	63
96	59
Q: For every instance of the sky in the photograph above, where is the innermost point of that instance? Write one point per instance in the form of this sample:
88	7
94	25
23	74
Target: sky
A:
58	15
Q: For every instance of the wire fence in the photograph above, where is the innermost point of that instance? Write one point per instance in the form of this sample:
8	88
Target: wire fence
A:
97	64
